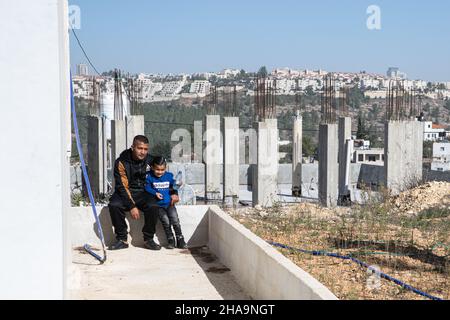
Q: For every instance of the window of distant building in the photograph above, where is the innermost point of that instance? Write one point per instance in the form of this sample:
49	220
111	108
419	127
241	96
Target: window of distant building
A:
361	157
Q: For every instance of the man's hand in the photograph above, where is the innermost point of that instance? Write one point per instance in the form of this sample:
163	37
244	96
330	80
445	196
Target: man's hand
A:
159	196
135	213
174	199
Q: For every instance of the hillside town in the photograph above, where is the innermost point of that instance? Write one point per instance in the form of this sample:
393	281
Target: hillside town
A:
160	87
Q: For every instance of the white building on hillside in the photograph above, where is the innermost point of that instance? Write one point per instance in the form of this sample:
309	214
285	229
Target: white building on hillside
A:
200	87
172	88
441	157
433	132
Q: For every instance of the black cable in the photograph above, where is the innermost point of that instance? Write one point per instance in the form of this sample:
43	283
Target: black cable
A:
84	52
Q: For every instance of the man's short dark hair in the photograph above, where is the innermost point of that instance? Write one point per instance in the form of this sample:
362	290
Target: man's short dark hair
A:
140	139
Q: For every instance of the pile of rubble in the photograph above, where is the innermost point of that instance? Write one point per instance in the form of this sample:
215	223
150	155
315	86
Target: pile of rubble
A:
428	195
410	202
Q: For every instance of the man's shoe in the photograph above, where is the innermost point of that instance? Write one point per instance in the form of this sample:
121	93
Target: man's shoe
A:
170	243
118	245
181	244
152	245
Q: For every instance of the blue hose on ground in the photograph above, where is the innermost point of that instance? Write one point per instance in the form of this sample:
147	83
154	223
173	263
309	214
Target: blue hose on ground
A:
361	263
86	179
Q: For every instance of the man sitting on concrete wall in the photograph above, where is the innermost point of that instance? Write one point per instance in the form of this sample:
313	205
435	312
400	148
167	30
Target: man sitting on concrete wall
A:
129	195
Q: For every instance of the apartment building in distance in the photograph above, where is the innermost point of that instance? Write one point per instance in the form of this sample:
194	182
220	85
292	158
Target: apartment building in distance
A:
441	157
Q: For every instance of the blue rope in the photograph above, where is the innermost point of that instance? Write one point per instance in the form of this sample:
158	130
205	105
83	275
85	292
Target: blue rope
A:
86	179
361	263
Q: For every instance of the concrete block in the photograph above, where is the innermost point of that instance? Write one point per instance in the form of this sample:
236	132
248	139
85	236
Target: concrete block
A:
198	142
118	138
135	126
213	157
344	135
248	146
328	164
231	160
297	156
266	170
403	154
97	156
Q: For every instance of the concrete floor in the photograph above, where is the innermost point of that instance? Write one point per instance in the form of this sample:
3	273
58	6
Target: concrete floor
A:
137	273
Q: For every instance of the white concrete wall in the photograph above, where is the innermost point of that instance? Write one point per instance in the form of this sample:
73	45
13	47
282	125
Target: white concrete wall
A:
403	154
193	219
230	159
35	144
213	157
297	155
265	172
328	164
263	272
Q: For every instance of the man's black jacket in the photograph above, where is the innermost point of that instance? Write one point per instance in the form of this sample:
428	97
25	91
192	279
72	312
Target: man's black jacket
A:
129	177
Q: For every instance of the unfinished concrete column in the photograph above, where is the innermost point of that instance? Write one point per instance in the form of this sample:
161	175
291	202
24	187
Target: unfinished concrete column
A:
265	175
213	158
230	160
198	142
135	126
297	155
118	138
123	133
328	164
345	135
248	154
403	154
97	155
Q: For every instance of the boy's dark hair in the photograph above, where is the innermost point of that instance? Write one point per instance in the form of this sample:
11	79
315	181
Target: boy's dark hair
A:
141	139
159	161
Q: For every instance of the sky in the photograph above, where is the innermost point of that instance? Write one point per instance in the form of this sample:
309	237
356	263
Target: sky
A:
189	36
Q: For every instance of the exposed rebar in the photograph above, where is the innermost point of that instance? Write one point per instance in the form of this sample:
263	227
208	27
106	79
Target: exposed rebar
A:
401	103
328	100
265	99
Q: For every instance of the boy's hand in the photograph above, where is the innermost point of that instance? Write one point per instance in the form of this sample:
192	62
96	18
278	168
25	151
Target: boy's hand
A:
174	199
159	196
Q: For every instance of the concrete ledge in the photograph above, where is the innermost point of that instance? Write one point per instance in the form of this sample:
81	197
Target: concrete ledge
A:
260	269
83	229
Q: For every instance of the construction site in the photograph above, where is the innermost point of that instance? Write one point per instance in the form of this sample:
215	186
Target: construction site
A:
257	229
310	212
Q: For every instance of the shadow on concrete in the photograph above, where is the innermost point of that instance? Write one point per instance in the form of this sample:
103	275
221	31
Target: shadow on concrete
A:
218	274
200	235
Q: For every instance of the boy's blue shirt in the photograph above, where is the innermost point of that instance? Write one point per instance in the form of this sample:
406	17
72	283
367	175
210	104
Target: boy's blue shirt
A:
163	185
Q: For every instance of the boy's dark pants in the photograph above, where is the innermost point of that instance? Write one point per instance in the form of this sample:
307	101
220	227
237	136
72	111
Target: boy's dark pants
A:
145	203
169	217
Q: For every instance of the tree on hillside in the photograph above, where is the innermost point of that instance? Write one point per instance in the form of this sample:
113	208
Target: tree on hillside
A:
362	132
262	72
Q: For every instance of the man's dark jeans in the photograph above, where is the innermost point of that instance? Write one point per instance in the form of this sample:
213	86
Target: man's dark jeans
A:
169	218
144	202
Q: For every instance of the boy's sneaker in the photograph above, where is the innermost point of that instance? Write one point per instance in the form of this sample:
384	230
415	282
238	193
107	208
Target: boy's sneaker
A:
118	245
181	244
170	243
152	245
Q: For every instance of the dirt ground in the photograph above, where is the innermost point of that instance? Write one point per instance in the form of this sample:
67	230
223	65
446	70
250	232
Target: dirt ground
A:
406	237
